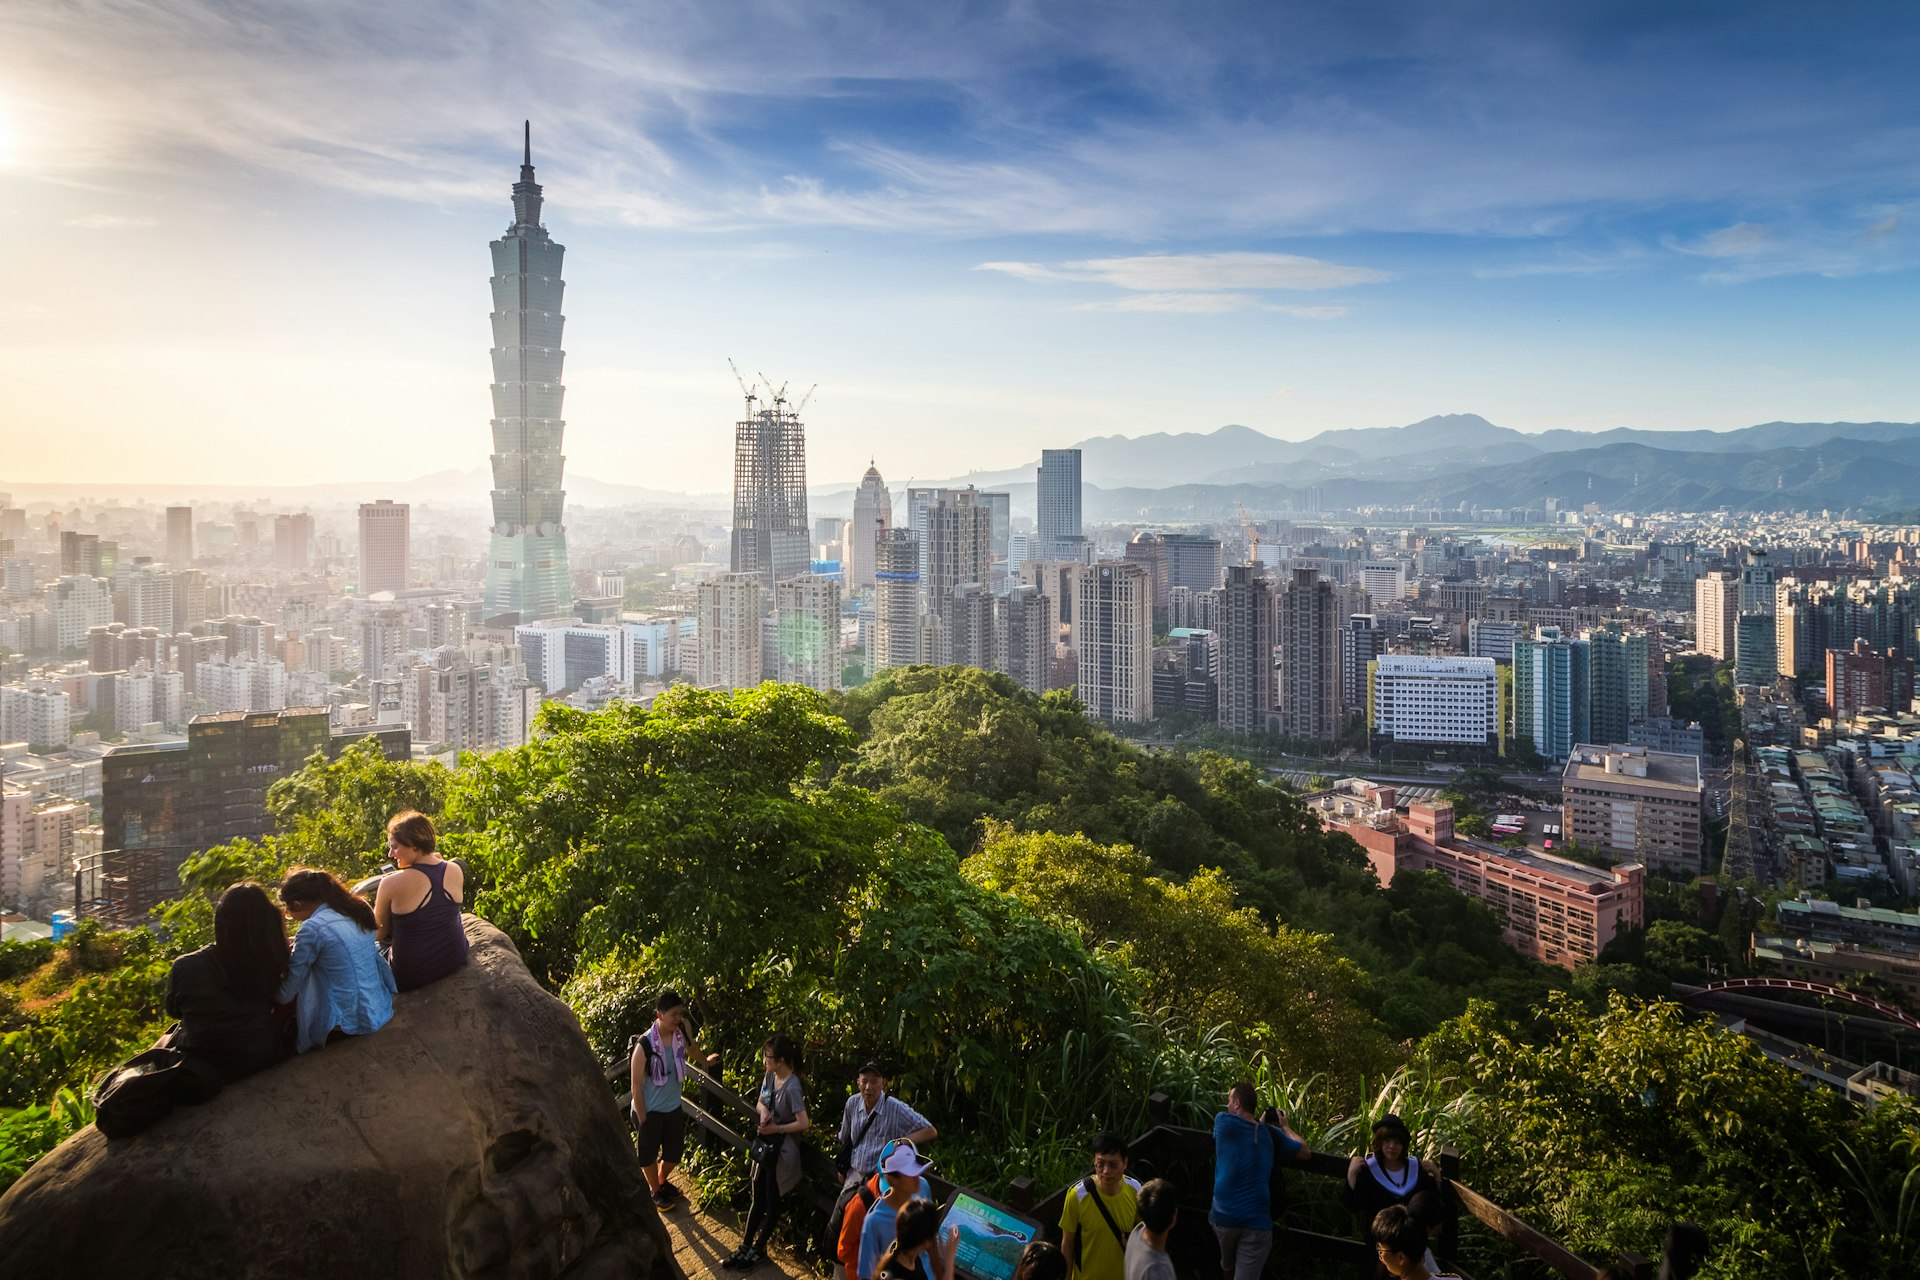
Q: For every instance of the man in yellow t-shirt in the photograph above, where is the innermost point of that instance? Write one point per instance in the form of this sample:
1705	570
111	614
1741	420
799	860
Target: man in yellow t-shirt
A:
1094	1241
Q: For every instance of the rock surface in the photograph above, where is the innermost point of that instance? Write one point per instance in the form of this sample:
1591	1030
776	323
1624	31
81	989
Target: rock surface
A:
473	1136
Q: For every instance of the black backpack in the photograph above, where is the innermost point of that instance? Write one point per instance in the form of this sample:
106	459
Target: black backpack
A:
144	1089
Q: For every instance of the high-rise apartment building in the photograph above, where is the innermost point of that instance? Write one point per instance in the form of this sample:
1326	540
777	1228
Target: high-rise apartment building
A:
1191	609
1114	630
1494	638
1026	637
1000	535
730	614
386	546
1617	660
771	536
1361	641
1716	610
1309	634
80	555
241	684
1061	536
872	516
150	599
970	635
527	572
1756	585
1553	693
1858	678
37	713
1150	552
1193	561
807	637
1756	658
958	528
1384	580
78	603
1245	621
189	598
180	537
453	703
894	639
293	541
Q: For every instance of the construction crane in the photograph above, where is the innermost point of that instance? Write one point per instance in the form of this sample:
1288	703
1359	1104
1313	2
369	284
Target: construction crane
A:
1253	534
745	390
797	409
780	396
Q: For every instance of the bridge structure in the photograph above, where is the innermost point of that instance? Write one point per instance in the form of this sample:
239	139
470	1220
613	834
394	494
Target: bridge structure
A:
1801	987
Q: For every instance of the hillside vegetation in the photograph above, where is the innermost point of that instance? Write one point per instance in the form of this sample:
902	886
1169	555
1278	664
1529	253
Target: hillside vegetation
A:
1042	926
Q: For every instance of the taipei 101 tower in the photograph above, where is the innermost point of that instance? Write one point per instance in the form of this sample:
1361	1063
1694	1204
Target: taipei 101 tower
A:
527	568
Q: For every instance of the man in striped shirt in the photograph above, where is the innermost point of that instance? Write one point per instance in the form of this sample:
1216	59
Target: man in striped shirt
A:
873	1118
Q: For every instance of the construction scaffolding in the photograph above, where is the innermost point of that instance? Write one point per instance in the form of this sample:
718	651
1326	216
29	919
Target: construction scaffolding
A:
771	535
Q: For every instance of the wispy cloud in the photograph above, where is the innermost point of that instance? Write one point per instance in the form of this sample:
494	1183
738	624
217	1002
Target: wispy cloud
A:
1745	251
1181	303
1570	262
1224	271
1741	240
1125	119
110	222
1200	283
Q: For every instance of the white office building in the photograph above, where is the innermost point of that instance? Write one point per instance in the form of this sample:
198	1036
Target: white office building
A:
1437	701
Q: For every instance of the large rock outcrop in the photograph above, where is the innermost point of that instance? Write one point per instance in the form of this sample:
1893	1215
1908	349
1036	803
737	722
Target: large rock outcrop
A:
473	1136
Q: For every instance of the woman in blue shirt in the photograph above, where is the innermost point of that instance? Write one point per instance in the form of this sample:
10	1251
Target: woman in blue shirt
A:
341	981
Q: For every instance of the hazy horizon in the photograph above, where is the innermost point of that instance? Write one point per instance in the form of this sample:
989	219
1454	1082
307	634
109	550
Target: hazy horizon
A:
260	250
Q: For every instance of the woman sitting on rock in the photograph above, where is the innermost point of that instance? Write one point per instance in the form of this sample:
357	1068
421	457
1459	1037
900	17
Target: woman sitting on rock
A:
223	994
337	973
418	907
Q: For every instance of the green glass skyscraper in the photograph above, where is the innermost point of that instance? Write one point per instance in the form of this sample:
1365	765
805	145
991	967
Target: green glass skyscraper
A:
527	563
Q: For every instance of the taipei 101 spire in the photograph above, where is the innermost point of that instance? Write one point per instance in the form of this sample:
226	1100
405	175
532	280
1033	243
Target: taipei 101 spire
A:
527	565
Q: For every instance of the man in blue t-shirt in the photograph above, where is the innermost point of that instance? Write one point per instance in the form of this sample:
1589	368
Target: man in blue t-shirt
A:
1244	1150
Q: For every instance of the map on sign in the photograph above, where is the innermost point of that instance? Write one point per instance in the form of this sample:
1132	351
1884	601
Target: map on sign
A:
990	1239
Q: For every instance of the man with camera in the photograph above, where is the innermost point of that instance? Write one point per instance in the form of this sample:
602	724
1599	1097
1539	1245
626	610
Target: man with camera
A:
1245	1147
872	1118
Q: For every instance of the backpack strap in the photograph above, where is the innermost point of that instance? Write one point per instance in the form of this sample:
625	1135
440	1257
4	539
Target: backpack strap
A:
1093	1194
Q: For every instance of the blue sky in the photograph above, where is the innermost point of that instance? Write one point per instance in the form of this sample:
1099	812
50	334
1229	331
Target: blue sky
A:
250	238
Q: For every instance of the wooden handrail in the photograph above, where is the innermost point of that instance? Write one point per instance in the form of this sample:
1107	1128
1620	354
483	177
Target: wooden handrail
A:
1522	1236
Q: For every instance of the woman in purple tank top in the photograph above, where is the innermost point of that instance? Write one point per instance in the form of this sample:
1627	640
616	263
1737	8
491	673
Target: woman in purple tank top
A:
418	906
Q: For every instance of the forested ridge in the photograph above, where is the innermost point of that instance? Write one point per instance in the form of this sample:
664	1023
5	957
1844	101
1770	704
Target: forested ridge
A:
1041	925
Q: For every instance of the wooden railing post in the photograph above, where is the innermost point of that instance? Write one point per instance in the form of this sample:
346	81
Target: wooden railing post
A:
1641	1268
1020	1194
1159	1108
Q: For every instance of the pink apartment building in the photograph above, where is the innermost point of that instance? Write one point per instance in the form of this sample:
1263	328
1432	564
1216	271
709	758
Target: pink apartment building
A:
1556	910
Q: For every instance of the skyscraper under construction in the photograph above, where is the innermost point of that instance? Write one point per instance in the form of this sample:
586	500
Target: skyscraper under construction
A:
771	536
527	560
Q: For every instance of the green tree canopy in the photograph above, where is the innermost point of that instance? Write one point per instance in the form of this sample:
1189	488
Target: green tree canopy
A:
1205	958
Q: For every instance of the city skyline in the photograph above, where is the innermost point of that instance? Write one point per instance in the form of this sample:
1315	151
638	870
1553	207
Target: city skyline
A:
1043	225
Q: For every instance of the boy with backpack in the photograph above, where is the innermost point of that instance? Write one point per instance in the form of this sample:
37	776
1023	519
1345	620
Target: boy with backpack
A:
656	1071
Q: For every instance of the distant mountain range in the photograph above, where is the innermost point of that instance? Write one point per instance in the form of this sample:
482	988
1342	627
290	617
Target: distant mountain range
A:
1867	468
1463	458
